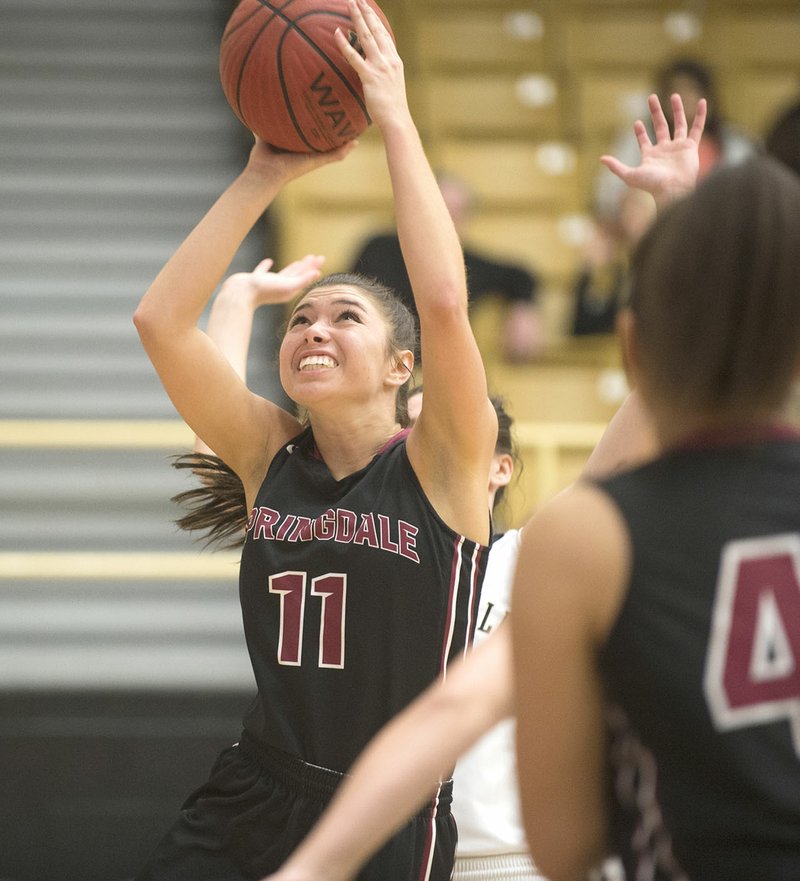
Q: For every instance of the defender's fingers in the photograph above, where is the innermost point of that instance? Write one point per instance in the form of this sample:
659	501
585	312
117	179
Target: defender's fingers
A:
304	264
642	137
699	121
294	267
660	124
302	280
679	124
620	169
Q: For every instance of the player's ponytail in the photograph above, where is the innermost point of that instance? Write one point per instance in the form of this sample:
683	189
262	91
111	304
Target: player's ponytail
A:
217	508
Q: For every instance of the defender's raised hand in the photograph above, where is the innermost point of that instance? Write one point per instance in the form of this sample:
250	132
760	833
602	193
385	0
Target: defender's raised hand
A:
262	286
669	167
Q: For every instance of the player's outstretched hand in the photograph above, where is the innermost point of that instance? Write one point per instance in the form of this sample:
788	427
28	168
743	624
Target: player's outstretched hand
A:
263	287
669	167
377	63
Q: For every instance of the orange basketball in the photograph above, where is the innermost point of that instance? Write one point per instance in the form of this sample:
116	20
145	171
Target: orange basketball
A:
286	79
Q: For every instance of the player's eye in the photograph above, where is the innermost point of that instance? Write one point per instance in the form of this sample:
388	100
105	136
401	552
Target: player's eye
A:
350	315
297	319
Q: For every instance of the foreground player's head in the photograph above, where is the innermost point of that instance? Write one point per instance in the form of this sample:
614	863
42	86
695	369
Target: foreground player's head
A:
353	328
783	138
714	316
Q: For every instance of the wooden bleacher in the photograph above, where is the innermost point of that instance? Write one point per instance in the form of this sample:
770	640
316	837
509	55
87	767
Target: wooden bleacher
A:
503	173
480	38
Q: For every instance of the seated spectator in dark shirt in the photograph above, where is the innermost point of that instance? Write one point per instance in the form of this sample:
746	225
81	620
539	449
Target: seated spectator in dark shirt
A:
381	258
601	285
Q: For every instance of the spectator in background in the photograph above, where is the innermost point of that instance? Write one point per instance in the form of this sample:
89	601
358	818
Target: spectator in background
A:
622	216
783	138
782	141
522	339
601	284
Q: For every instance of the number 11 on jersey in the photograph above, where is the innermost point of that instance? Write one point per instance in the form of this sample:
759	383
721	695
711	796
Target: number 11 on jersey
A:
332	590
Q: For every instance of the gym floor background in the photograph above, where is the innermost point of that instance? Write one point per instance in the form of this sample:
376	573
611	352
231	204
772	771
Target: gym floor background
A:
123	669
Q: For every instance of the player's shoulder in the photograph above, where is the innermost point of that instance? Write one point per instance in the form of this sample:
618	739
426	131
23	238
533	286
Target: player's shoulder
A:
579	540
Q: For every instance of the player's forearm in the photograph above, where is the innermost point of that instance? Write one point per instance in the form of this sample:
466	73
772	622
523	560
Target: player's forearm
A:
181	290
230	322
431	248
230	326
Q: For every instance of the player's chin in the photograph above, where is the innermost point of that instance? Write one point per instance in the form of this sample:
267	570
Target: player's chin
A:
310	385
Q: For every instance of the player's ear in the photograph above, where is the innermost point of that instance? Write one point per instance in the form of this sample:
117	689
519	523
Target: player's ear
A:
402	367
501	470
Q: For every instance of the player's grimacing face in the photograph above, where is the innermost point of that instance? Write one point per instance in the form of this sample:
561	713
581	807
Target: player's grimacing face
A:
334	334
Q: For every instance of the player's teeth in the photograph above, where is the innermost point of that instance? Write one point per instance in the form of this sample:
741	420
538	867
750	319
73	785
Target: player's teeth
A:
317	361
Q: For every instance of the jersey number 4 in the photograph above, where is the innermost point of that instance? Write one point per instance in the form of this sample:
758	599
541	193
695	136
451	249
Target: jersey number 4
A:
332	590
752	673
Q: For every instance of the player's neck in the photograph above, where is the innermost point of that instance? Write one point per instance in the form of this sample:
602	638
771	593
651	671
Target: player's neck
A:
348	445
676	426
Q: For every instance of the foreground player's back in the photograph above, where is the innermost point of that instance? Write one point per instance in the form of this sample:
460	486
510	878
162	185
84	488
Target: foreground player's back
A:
711	618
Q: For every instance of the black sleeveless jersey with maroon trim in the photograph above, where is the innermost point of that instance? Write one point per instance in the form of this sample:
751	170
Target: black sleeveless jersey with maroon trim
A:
355	595
702	667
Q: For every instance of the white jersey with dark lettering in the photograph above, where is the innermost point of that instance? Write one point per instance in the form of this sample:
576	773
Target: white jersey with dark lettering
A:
485	794
355	595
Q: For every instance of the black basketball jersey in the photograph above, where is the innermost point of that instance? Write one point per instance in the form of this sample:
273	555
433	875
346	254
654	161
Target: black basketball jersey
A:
702	667
355	595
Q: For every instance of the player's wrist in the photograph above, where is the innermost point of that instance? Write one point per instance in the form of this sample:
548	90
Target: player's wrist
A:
236	292
667	195
396	120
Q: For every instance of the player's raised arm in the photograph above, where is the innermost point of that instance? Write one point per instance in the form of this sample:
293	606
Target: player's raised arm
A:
205	389
454	437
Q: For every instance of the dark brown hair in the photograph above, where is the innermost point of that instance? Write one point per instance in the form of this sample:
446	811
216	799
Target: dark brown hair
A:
702	76
715	291
783	138
216	508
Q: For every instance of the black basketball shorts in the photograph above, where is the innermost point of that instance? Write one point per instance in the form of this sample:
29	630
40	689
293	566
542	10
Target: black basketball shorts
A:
259	804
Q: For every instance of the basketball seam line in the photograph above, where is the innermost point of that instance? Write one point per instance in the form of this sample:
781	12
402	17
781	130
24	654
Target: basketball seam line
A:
292	26
250	51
